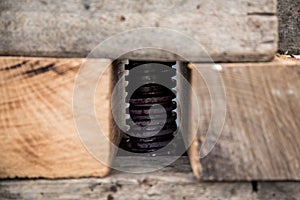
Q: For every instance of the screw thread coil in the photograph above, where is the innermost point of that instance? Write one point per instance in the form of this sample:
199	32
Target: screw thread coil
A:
142	137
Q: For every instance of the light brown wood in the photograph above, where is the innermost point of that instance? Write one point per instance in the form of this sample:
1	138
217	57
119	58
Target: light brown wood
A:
239	30
260	139
38	136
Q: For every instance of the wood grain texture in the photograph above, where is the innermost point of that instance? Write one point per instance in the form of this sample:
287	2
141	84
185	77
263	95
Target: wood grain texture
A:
235	30
289	28
38	136
173	182
279	190
260	139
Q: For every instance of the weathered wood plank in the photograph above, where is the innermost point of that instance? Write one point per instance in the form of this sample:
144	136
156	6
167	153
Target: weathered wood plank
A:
239	30
124	186
289	28
173	182
260	138
279	190
38	137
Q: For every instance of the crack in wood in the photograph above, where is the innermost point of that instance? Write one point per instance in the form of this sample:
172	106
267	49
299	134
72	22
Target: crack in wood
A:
41	70
14	66
261	14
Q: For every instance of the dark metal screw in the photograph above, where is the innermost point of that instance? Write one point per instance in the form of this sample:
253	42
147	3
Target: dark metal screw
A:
141	101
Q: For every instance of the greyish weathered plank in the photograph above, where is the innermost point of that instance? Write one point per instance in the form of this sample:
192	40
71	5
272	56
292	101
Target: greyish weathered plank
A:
289	26
148	187
234	30
173	182
279	190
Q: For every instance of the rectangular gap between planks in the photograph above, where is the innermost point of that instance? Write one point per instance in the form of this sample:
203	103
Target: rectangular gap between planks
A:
260	139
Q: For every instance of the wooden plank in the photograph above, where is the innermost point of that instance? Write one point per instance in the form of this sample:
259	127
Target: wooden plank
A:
289	28
239	30
38	136
173	182
260	139
278	190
